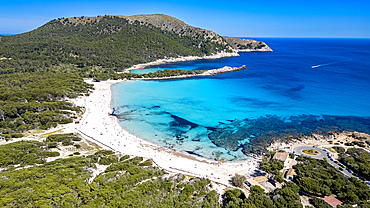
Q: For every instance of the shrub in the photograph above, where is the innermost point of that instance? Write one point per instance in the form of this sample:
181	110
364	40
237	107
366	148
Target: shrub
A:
104	153
108	160
65	120
319	203
76	139
125	157
50	154
16	135
146	163
49	125
94	158
188	190
238	180
279	178
339	149
67	142
52	144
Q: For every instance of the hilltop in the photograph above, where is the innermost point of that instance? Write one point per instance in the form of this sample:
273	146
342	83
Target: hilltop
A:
169	23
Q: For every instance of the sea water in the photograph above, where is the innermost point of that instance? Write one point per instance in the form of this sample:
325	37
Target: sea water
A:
303	86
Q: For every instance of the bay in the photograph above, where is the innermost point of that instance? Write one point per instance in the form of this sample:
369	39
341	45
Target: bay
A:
303	86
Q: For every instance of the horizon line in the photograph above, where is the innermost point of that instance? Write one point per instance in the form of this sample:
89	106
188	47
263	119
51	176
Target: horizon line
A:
256	36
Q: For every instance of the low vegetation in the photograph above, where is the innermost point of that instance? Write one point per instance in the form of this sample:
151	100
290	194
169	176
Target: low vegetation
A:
280	198
318	177
319	203
339	149
238	180
70	183
34	101
272	166
24	153
357	160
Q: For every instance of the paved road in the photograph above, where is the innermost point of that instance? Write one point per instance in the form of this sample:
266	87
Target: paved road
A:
323	154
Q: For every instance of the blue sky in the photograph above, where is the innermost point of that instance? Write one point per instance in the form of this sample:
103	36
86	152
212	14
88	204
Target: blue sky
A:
258	18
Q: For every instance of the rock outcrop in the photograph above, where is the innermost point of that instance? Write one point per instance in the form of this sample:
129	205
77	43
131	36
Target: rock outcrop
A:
247	45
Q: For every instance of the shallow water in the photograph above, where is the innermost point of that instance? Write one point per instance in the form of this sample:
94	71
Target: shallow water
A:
304	86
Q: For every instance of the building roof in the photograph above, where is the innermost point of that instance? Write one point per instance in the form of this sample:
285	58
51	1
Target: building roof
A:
281	156
291	172
332	201
253	182
260	179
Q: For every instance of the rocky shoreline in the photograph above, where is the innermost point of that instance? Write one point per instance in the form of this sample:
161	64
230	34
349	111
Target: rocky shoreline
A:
257	136
211	72
333	138
264	49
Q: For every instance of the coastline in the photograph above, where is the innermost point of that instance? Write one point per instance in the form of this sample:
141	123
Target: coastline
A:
181	59
98	126
211	72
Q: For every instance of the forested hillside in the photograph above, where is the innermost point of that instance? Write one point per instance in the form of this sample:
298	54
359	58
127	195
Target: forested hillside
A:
111	42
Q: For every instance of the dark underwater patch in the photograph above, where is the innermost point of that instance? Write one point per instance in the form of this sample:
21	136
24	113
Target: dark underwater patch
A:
262	131
184	122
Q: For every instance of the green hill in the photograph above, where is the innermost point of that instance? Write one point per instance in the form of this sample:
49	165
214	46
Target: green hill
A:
111	42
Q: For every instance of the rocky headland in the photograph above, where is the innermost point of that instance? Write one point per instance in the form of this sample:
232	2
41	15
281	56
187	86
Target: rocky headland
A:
247	45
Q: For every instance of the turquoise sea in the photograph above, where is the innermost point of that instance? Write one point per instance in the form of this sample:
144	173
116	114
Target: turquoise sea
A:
304	86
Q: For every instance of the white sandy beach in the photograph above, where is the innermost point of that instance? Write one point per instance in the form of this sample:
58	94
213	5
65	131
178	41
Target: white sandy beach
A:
96	125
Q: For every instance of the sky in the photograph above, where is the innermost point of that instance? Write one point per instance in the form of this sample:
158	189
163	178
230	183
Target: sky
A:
258	18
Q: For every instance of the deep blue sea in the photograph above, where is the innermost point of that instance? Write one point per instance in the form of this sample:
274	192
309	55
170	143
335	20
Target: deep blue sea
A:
303	86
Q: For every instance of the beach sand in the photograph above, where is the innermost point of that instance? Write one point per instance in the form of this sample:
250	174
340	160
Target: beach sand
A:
98	126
